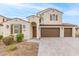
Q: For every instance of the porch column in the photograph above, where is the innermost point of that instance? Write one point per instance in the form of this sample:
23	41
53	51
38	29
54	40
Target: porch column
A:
73	32
61	32
38	31
31	31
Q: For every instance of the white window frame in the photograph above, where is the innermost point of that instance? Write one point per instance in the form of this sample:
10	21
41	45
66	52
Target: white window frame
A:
14	28
53	17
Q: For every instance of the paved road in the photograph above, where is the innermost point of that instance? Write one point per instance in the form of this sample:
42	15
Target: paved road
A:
59	47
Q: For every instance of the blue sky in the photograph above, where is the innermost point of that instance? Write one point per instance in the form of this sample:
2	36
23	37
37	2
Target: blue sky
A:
22	10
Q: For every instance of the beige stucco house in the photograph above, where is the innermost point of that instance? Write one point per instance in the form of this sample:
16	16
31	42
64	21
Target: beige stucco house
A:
46	23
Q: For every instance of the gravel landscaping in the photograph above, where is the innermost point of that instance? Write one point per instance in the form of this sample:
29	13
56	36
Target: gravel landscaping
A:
23	49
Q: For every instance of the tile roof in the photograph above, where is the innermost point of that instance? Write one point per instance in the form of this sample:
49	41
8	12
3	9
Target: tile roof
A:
63	24
45	10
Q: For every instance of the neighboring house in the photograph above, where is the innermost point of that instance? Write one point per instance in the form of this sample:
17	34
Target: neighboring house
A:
46	23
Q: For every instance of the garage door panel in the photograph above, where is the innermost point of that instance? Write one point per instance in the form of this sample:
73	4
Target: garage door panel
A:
50	32
67	32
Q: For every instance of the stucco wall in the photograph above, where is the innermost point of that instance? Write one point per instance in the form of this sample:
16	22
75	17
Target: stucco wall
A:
46	17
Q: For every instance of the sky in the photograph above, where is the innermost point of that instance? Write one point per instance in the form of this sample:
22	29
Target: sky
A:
23	10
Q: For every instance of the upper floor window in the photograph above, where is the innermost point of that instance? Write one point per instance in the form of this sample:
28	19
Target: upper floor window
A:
56	17
41	18
53	17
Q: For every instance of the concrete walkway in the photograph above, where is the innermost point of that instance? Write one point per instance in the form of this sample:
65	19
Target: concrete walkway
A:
59	47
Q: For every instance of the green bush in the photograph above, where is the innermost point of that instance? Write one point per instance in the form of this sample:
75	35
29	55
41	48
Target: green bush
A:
1	36
11	47
19	37
8	40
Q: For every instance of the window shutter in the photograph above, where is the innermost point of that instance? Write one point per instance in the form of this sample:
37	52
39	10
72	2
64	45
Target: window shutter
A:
56	17
50	17
20	28
11	28
40	20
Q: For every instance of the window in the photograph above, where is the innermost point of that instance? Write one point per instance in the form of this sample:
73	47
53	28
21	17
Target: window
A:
41	18
53	17
17	28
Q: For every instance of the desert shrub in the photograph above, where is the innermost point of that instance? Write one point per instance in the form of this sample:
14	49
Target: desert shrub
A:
8	40
11	47
19	37
1	36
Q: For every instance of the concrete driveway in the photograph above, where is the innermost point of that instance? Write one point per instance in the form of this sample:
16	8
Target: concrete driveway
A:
59	47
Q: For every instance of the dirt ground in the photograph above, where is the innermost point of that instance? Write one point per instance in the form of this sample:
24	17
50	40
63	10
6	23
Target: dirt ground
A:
22	49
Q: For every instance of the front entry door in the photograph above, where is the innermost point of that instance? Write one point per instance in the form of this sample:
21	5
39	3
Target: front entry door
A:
34	31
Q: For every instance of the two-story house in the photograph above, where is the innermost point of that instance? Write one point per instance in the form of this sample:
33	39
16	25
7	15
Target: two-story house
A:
46	23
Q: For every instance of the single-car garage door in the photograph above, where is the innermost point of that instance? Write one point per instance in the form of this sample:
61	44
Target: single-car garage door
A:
67	32
50	32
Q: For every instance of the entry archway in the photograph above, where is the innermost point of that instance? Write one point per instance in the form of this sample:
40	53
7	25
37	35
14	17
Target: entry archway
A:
34	29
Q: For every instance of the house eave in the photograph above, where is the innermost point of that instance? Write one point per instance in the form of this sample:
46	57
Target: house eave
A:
57	25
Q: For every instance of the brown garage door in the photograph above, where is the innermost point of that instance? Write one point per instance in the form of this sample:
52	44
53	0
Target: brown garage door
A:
50	32
67	32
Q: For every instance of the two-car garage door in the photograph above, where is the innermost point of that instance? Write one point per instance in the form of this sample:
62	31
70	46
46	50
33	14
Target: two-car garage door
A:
50	32
55	32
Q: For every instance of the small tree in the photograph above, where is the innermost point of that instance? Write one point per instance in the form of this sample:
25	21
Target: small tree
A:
19	37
